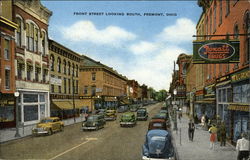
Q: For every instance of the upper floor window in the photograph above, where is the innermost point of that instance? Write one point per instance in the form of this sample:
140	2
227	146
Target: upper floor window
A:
85	90
76	70
64	66
227	7
214	18
210	22
19	32
93	76
43	43
52	62
68	68
58	65
73	69
220	18
93	90
35	40
6	49
7	78
236	31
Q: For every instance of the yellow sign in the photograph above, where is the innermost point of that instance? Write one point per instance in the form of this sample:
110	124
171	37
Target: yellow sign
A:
240	76
236	107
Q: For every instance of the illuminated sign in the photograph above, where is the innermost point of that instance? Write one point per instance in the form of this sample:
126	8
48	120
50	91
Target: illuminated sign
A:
215	51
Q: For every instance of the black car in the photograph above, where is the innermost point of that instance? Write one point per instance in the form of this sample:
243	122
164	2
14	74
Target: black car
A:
94	122
142	114
158	146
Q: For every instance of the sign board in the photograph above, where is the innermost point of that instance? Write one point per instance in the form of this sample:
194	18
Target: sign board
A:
240	76
216	51
55	81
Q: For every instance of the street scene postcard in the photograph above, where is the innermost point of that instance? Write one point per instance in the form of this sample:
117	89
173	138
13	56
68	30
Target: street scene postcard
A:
124	79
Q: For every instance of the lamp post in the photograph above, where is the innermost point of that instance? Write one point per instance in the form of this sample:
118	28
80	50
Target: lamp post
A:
175	113
16	94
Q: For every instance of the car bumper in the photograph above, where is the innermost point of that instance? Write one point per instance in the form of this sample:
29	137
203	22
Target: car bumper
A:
141	118
146	158
127	123
89	128
39	132
110	118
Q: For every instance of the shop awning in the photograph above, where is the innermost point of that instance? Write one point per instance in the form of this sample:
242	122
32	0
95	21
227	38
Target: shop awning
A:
239	107
78	103
223	83
63	104
206	100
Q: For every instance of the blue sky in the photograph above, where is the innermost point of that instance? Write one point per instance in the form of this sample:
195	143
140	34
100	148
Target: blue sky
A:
139	47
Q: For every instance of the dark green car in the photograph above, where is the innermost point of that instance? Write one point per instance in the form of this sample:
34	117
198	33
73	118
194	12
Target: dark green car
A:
94	122
128	119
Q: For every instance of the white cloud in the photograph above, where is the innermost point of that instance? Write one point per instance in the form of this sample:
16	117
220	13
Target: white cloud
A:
181	31
143	47
87	31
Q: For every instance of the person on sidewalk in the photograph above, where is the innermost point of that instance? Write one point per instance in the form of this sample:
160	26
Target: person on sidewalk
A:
242	147
191	128
222	134
212	130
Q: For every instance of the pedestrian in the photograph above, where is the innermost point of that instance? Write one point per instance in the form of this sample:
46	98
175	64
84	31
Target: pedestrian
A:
191	128
222	134
212	130
203	121
242	147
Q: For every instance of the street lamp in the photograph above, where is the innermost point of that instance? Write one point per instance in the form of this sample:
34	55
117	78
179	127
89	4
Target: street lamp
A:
175	113
16	94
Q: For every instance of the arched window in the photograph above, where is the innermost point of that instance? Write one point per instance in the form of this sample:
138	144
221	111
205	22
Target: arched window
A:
43	42
19	32
59	65
64	66
68	68
32	37
247	31
52	61
73	69
76	70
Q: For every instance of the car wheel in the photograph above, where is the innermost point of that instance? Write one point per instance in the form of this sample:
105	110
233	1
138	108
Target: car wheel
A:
50	132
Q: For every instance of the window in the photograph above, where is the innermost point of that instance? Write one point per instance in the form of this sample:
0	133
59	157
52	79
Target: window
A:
31	37
43	43
36	40
241	93
52	88
93	90
236	31
214	17
7	78
29	69
86	90
73	69
37	73
76	70
19	32
52	61
210	21
65	85
76	87
6	49
27	35
30	98
59	89
19	71
220	18
30	112
59	65
227	7
68	68
44	75
93	76
69	86
64	66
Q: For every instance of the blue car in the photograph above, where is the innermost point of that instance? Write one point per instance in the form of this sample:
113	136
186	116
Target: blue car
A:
158	146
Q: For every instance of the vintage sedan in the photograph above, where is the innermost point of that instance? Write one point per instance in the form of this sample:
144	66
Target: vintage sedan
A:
94	122
128	119
142	114
110	115
158	146
48	126
157	124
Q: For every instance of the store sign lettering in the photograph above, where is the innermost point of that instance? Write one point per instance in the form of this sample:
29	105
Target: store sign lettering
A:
241	76
239	108
216	51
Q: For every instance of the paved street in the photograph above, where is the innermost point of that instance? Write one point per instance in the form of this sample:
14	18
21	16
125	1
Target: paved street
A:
199	148
110	143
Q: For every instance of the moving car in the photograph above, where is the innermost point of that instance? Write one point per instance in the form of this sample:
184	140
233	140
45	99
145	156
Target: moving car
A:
110	115
48	126
164	117
157	124
158	146
94	122
128	119
142	114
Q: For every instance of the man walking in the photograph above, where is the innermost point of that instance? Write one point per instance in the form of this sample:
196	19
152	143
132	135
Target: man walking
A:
191	128
242	147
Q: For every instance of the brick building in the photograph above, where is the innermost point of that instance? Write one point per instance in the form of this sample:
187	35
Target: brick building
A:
7	65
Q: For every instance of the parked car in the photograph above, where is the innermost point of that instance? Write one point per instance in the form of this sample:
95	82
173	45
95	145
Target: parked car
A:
128	119
94	122
48	126
142	114
134	107
157	124
122	108
158	146
110	115
163	116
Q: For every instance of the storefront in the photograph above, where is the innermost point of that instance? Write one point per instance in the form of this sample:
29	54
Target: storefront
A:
239	108
33	106
7	111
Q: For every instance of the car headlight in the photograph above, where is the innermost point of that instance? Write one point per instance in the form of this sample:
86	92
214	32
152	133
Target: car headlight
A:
83	124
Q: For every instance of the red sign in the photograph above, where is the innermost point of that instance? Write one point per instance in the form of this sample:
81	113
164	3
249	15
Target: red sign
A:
216	51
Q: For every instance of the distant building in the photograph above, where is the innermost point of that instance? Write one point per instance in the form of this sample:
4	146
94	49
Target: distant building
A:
99	85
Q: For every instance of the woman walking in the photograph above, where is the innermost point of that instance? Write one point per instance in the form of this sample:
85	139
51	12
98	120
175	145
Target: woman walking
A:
212	130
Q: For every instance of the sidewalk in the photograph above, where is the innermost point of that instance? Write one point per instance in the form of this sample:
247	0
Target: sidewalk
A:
24	131
199	148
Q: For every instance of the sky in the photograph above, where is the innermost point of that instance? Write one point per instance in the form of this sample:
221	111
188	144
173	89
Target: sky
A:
139	39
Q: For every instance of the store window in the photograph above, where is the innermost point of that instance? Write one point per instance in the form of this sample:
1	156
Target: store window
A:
30	98
30	112
41	97
241	93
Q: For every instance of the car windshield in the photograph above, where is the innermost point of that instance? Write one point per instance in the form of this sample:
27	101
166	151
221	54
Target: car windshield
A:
126	116
46	120
158	138
91	118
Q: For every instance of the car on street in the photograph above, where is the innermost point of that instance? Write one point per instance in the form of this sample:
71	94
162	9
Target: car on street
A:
165	112
110	115
163	116
158	146
134	107
48	126
128	119
123	108
142	114
94	122
157	124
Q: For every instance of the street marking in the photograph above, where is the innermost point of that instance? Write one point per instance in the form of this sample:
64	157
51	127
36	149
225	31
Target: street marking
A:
88	139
